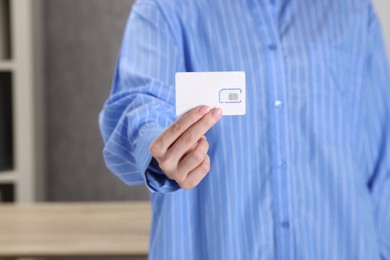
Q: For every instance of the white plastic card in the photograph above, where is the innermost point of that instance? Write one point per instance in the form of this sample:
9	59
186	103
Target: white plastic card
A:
225	90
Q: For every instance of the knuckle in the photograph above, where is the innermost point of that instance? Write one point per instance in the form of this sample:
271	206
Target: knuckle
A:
177	127
156	148
197	156
186	185
206	166
153	149
208	121
180	180
193	117
178	177
188	138
165	165
207	145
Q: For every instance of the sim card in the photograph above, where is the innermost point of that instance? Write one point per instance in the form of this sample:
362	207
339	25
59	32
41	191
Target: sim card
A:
215	89
230	95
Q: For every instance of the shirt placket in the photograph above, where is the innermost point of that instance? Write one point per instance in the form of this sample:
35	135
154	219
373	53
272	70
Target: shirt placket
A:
278	102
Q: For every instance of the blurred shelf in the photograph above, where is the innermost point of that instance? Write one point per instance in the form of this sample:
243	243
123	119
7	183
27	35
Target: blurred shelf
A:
8	176
6	66
75	230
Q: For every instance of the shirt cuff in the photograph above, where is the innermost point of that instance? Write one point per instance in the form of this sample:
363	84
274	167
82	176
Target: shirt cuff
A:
155	179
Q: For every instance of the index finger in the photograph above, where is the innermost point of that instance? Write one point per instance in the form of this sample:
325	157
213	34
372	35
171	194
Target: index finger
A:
175	130
193	134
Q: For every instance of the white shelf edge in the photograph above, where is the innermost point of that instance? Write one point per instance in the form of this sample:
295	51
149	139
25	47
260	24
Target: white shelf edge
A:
26	69
8	176
7	65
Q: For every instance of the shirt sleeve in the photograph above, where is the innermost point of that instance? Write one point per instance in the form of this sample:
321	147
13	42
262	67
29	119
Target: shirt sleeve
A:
141	102
378	84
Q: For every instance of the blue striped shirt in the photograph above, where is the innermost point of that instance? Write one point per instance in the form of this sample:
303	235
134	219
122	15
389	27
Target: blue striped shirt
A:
305	174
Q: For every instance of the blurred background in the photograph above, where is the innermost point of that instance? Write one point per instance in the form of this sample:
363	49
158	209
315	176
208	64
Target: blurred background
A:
55	74
82	39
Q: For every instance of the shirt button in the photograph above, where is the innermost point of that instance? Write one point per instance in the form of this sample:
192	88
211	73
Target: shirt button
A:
278	103
285	224
272	46
282	164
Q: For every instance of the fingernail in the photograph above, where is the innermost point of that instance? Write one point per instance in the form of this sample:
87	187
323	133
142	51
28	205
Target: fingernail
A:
217	112
204	137
204	110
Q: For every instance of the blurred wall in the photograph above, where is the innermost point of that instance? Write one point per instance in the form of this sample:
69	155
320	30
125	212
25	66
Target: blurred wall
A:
82	42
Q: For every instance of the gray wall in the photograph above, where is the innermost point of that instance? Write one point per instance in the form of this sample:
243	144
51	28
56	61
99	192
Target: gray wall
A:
82	40
383	10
